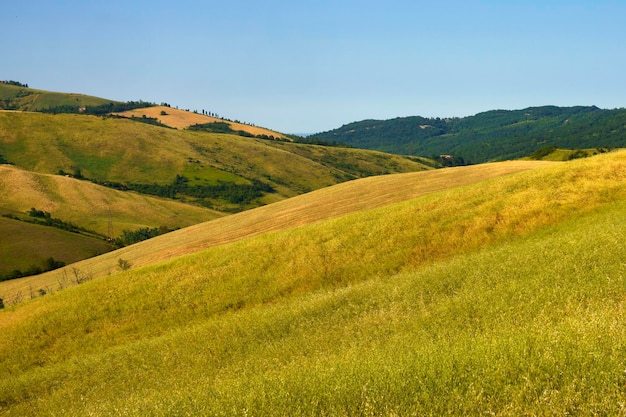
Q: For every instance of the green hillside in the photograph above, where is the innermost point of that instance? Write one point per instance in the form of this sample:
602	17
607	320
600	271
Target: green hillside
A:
221	171
19	97
488	136
504	297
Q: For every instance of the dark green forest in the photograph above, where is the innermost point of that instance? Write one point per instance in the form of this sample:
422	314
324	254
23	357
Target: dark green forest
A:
488	136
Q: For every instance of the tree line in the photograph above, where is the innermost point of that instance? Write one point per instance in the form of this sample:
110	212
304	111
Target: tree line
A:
15	83
98	110
180	187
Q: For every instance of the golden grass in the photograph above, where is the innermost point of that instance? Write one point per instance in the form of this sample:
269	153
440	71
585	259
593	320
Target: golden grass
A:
316	206
355	315
181	119
89	205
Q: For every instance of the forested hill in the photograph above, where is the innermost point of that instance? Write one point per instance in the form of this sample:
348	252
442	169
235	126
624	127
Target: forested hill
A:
492	135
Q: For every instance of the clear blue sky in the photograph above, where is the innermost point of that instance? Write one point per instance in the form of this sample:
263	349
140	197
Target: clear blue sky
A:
308	66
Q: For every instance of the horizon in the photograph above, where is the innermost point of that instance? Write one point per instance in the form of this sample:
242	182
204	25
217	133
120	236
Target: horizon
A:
315	67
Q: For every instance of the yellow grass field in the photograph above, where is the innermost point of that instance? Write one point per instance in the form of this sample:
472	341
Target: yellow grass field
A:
181	119
331	202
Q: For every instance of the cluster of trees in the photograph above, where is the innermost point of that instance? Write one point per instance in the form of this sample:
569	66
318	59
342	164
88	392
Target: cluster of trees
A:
3	160
48	265
15	83
223	127
130	237
46	219
143	119
450	160
492	135
98	110
180	187
231	192
213	127
314	140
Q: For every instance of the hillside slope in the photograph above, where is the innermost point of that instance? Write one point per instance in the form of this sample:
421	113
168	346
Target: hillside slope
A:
488	136
229	172
331	202
490	297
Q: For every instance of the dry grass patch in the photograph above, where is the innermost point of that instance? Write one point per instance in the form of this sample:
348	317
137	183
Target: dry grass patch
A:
181	119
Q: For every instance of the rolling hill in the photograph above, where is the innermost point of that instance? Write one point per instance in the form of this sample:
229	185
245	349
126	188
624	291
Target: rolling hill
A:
19	97
135	175
327	203
489	136
504	296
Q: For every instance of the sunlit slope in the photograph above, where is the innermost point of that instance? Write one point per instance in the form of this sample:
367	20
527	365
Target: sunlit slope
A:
92	206
181	119
124	151
342	199
505	296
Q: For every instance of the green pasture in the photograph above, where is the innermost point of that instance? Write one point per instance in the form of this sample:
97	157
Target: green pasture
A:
23	245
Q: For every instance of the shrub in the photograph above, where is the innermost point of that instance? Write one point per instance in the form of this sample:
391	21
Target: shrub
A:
123	264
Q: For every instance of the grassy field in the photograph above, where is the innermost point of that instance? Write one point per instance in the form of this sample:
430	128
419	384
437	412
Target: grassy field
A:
324	204
504	297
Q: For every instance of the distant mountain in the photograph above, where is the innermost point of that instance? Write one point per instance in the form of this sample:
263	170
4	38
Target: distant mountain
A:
488	136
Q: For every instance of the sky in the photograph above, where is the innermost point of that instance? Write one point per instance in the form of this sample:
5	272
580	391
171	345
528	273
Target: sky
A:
311	66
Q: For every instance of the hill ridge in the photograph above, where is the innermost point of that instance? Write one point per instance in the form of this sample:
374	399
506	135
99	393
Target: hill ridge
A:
490	135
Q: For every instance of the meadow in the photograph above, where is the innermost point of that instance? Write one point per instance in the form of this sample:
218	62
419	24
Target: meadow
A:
503	297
